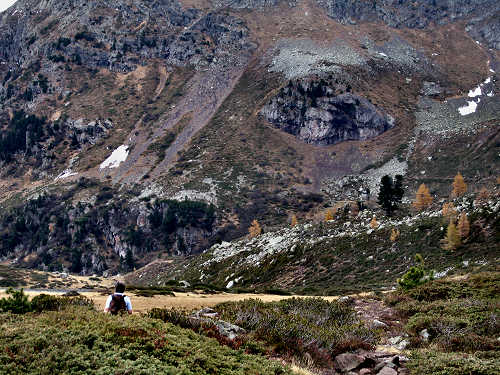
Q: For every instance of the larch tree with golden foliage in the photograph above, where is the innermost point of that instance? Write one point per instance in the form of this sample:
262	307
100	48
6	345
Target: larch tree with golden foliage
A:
423	198
254	230
463	226
449	211
452	239
293	220
394	234
374	223
329	215
459	186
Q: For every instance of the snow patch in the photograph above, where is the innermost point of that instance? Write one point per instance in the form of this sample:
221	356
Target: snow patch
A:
476	92
468	109
116	158
65	174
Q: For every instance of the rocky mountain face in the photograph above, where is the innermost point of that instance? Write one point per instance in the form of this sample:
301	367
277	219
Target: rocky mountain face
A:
316	115
103	235
238	110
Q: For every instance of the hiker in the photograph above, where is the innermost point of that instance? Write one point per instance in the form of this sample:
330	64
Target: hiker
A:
118	301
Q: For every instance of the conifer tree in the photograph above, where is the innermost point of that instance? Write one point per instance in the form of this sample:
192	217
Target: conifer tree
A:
452	239
129	261
254	230
390	193
459	186
463	226
449	211
394	234
423	198
329	215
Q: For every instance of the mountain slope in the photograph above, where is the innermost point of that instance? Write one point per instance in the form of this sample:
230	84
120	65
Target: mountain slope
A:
262	108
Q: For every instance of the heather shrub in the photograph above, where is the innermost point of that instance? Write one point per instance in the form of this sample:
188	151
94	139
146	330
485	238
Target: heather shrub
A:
301	327
460	317
45	302
77	340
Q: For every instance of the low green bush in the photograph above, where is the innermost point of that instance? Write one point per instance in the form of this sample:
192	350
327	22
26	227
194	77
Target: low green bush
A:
77	340
431	362
301	327
45	302
16	303
460	316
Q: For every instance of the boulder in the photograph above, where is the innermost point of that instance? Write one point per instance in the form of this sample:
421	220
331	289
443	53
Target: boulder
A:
377	323
308	111
387	371
231	331
348	361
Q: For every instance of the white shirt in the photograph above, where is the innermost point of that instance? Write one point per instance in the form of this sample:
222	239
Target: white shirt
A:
127	301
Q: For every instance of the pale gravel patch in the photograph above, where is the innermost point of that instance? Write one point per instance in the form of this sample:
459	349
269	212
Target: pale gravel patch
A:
302	57
392	168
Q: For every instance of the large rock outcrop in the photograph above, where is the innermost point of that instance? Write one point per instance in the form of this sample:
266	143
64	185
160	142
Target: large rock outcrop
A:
314	113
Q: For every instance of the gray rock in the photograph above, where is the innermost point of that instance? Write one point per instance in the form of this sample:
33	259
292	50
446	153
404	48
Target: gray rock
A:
306	110
395	340
229	330
387	371
402	345
348	361
424	334
378	324
431	89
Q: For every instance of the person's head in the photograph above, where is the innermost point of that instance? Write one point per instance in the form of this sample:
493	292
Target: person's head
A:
120	287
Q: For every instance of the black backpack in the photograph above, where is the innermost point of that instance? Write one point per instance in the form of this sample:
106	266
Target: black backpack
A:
117	304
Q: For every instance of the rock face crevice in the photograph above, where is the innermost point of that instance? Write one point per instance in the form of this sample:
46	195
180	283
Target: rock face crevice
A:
318	114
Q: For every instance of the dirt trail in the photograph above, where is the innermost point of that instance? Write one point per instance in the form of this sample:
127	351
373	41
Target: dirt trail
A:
163	80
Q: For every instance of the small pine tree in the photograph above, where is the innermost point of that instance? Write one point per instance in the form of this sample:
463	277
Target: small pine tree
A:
394	234
329	215
254	230
294	221
463	226
374	223
452	239
417	275
459	186
423	198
